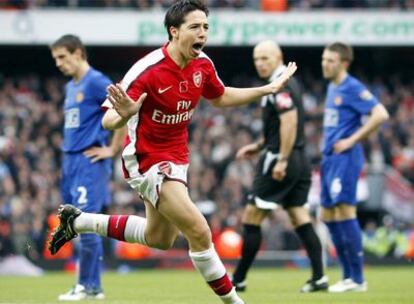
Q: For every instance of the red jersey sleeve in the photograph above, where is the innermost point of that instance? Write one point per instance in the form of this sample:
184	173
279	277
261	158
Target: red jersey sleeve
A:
213	87
135	89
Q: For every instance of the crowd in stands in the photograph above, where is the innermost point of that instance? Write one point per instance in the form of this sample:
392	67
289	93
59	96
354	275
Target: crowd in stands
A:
30	137
266	5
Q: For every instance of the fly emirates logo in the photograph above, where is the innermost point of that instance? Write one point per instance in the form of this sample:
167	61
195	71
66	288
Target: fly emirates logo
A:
171	119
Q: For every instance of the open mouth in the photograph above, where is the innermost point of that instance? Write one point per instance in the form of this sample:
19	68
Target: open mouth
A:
197	47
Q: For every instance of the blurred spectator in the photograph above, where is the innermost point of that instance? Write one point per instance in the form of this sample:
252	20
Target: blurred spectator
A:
6	244
13	4
30	137
266	5
385	241
274	5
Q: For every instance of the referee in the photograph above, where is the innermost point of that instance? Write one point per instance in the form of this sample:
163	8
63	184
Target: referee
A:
283	174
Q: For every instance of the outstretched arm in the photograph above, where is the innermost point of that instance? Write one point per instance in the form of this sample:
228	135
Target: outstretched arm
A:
237	97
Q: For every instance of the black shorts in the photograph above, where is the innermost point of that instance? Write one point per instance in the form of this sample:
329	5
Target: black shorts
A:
268	193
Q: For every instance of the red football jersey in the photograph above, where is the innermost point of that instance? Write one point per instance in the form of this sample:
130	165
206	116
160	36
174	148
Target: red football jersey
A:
159	130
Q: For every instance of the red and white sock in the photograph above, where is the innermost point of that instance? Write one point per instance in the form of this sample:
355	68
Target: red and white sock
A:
127	228
212	269
91	222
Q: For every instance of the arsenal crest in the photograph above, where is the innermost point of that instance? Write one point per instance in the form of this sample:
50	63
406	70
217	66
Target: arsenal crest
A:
165	168
197	79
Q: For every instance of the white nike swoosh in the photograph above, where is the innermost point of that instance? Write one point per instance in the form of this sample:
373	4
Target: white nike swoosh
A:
218	287
160	91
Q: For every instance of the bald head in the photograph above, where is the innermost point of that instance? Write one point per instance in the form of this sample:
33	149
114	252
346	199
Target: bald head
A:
267	57
268	46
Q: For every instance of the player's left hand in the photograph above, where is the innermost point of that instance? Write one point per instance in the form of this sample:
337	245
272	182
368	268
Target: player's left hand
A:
279	170
98	153
343	145
124	105
282	80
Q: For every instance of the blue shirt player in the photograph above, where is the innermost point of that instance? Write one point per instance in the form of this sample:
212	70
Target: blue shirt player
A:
347	102
87	164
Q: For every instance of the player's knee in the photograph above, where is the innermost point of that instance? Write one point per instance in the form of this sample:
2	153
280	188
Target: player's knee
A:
200	235
293	220
253	216
298	216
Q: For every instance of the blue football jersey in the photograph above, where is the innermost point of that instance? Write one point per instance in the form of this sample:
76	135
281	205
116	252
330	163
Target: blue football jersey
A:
83	114
345	105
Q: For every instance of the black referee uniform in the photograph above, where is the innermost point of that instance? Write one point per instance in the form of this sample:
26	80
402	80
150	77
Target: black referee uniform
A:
268	193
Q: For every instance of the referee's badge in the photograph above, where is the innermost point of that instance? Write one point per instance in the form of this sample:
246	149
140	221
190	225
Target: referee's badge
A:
80	97
284	101
338	100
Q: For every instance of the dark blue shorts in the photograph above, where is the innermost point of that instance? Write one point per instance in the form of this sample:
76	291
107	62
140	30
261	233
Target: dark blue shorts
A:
85	185
339	178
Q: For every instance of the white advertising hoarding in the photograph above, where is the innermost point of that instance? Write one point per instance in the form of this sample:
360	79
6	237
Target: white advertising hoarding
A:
229	28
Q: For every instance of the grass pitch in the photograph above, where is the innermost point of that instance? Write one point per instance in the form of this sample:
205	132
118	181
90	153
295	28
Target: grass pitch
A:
265	286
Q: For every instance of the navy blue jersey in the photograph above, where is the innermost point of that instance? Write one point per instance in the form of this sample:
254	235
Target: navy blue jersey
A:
83	114
345	106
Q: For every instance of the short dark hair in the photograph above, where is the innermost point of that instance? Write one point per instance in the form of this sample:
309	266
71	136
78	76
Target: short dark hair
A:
71	43
176	13
345	51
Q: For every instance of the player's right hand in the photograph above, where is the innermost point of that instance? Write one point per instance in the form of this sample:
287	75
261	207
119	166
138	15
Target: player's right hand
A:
283	79
247	151
97	153
279	170
124	105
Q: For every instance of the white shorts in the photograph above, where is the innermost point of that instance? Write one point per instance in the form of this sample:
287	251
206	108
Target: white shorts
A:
148	185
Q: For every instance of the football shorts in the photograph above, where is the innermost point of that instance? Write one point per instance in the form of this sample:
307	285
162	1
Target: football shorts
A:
85	184
339	178
268	193
148	185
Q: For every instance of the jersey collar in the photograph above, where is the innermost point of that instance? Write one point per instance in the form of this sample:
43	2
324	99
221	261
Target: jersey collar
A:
167	56
170	61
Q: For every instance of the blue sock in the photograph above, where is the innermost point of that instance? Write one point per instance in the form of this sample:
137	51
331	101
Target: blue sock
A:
353	241
90	257
341	250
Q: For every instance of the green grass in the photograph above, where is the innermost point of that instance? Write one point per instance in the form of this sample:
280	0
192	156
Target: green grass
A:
265	286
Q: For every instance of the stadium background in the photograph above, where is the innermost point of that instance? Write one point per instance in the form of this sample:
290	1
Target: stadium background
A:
31	96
